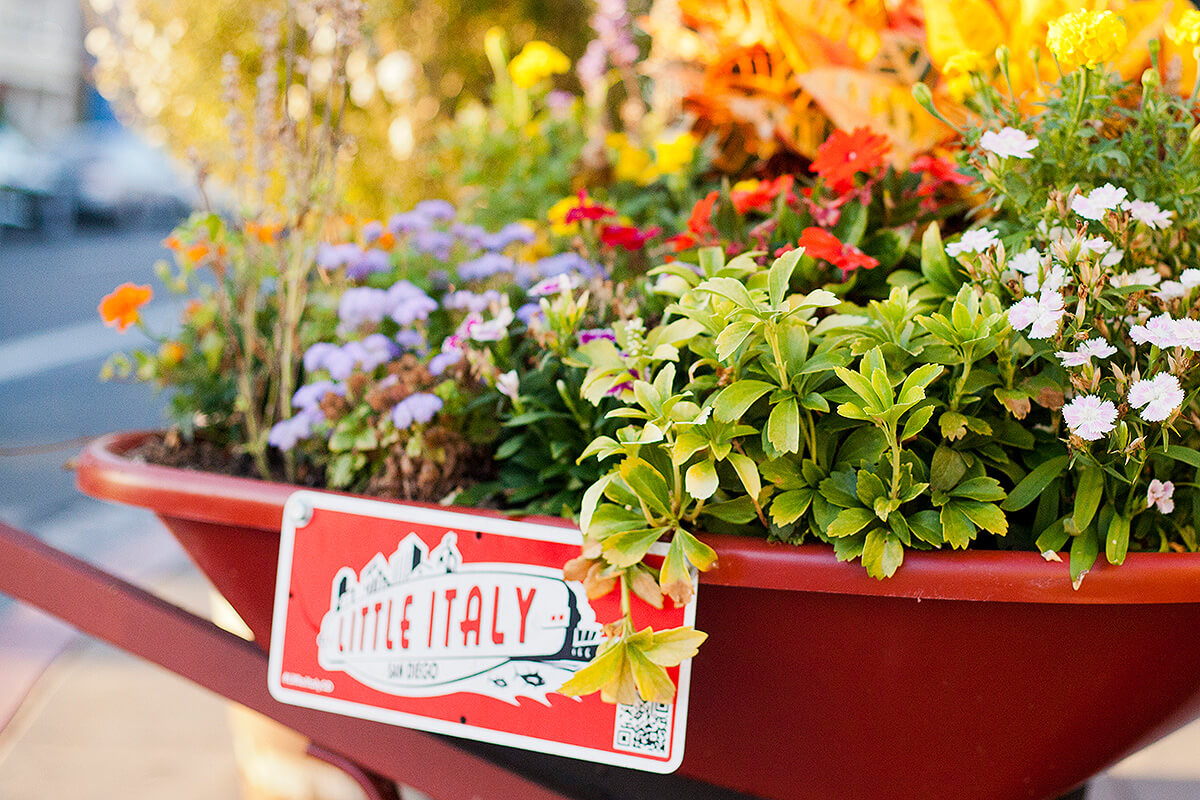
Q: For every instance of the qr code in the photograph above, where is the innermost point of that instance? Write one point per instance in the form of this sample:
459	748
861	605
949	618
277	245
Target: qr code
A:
643	728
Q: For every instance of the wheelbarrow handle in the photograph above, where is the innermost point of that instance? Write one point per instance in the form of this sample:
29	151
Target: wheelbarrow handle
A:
106	607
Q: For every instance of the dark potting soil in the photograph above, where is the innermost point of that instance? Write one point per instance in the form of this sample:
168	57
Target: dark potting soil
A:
403	477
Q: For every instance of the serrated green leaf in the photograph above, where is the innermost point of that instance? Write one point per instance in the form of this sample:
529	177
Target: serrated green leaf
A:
628	548
841	489
850	521
927	526
986	515
916	422
882	554
700	555
957	528
789	506
982	488
868	487
603	669
609	519
671	647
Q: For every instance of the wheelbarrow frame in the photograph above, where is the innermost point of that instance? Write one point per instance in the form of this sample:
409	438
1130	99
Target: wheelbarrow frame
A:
374	754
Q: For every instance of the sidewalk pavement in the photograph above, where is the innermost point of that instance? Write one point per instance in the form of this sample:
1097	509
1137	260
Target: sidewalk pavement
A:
81	720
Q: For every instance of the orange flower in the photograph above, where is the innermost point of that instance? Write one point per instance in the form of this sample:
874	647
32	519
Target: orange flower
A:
761	195
266	232
172	243
191	309
386	240
171	353
820	243
700	222
844	155
197	252
120	309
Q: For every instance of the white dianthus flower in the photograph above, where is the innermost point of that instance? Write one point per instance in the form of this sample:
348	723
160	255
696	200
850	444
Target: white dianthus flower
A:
1161	396
1041	315
1149	214
1089	417
1161	494
1092	348
1009	143
973	241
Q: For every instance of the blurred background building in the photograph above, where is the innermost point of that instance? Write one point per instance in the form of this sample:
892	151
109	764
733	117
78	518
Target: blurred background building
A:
41	65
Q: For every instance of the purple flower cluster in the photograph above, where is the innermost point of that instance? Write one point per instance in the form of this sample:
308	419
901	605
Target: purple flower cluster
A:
407	303
464	300
418	407
309	396
286	433
404	302
484	267
613	42
359	263
340	362
564	263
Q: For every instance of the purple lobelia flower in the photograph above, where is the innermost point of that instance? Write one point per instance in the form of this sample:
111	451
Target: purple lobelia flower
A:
434	243
376	349
371	261
484	267
419	407
311	395
372	231
286	433
409	222
407	303
528	312
334	256
316	355
362	305
447	358
437	210
463	300
411	340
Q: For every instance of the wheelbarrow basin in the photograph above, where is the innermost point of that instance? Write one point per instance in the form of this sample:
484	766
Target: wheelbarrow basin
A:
968	676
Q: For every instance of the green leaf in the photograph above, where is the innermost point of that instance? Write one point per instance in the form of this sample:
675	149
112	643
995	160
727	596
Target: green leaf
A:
653	683
789	506
747	470
783	427
985	489
737	397
591	498
729	288
1185	454
946	468
730	339
628	548
953	425
1088	495
1116	541
698	553
647	483
780	275
882	554
849	547
701	480
841	489
861	386
1052	539
868	487
815	401
609	519
957	527
850	521
927	526
606	666
736	512
1084	550
986	515
1034	483
671	647
916	422
934	264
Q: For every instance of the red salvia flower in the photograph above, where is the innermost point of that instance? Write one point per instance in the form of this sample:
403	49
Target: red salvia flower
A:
587	210
762	195
627	236
936	172
843	155
822	244
700	222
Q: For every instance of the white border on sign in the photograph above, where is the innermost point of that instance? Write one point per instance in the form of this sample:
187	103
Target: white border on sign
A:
307	499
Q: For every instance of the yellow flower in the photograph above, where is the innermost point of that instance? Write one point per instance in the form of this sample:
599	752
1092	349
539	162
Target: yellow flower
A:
1086	38
675	154
633	164
170	353
745	186
558	216
963	63
537	60
1187	30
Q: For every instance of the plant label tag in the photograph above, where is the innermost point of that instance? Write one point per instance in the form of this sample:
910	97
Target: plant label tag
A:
458	623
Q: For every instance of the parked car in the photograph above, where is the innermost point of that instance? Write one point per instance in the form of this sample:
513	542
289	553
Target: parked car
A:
27	182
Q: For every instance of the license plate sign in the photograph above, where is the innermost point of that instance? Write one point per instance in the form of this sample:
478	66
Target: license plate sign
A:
456	623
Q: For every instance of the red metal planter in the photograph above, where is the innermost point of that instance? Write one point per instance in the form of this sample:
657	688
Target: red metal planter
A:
968	676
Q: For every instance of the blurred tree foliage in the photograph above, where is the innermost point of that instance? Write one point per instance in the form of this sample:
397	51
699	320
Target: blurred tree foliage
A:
420	60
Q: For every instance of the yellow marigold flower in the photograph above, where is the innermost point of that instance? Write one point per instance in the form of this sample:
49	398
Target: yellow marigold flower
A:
963	64
558	216
748	185
537	60
633	164
1086	38
1187	30
675	154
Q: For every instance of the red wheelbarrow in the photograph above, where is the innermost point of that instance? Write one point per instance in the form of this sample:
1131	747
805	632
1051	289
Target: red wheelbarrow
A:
968	676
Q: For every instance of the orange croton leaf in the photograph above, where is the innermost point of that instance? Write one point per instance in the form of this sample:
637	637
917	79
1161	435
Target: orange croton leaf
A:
120	308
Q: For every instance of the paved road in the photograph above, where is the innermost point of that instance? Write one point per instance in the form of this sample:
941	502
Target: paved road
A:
52	345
